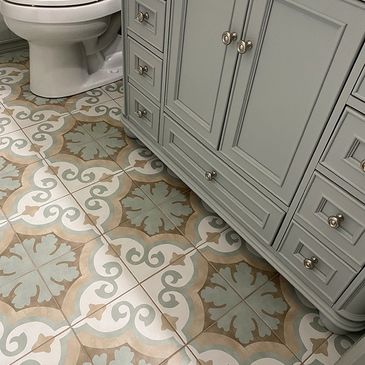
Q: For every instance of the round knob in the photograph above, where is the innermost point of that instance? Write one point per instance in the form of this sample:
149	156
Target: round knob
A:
142	70
334	221
141	113
210	175
141	17
228	37
244	46
362	165
310	263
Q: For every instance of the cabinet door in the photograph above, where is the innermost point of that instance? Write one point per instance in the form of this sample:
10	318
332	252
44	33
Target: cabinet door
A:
200	66
306	48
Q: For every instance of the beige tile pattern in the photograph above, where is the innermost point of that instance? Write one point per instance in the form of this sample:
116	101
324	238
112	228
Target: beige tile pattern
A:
108	258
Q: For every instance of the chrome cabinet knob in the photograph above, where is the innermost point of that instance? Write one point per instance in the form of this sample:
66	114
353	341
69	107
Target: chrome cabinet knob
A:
362	165
310	263
334	221
210	175
141	113
141	16
244	46
228	37
142	70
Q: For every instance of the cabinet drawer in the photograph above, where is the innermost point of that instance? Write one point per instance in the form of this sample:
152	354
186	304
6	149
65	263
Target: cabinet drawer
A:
325	200
146	18
143	113
144	70
359	89
329	275
346	154
254	212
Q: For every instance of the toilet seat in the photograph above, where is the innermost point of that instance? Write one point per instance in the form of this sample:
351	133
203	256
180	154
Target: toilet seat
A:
46	14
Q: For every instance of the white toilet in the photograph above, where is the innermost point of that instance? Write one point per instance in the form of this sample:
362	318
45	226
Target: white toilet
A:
74	45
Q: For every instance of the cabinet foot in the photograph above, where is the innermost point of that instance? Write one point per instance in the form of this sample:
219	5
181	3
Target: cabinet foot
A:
328	323
129	133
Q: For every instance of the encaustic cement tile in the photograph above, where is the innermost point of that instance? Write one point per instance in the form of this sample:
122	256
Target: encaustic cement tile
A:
25	330
182	357
239	264
75	173
146	254
191	294
215	348
115	90
131	328
7	123
87	279
196	220
63	349
290	316
39	186
16	147
157	181
113	201
332	349
63	217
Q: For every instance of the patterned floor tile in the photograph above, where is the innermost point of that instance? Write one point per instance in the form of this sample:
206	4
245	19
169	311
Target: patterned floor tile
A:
76	173
191	294
63	217
290	316
237	262
63	349
7	123
157	181
84	280
133	155
26	330
130	330
182	357
195	219
115	90
86	100
240	337
332	349
38	186
120	102
17	148
146	254
13	77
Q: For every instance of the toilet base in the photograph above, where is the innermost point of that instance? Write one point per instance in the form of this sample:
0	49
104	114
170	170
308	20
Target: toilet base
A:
62	71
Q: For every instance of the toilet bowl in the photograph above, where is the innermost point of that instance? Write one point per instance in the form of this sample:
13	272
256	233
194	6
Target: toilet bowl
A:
74	45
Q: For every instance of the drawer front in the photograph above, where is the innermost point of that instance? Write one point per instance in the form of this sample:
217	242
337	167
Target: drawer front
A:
325	201
143	113
324	271
359	89
238	198
146	18
346	154
144	70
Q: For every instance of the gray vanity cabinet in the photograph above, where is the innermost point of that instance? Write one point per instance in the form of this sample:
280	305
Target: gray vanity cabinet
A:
201	67
281	104
259	106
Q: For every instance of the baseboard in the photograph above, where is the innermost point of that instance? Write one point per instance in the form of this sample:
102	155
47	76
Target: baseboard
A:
14	45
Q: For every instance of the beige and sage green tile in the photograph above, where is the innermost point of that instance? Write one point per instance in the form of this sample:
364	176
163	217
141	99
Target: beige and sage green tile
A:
63	349
131	328
191	294
85	280
7	123
115	90
290	316
195	219
38	186
146	254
